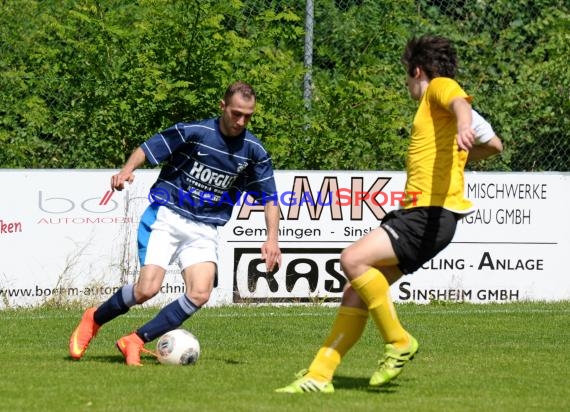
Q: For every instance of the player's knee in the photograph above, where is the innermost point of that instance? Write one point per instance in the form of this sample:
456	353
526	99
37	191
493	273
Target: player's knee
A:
142	294
200	298
349	262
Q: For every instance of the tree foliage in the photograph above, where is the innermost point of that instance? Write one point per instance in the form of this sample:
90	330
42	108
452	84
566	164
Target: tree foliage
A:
82	83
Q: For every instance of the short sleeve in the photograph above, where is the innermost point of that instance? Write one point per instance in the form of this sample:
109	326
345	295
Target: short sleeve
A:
483	130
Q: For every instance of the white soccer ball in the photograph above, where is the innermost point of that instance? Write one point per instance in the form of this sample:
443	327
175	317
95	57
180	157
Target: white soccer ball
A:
178	347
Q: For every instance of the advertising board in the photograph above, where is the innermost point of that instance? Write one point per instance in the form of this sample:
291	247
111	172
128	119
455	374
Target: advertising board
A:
65	236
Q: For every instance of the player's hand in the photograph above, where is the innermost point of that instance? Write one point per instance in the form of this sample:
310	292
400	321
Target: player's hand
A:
465	138
271	253
118	180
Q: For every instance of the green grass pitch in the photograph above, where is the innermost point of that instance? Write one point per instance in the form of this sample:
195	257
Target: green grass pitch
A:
509	357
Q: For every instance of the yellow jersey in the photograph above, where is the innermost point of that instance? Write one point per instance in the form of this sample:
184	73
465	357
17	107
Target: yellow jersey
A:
434	164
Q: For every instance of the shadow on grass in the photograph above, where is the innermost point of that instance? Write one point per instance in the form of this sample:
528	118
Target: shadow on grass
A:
361	384
144	359
227	361
110	359
105	359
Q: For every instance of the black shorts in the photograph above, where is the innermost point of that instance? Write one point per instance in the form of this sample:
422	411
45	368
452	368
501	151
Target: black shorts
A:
418	234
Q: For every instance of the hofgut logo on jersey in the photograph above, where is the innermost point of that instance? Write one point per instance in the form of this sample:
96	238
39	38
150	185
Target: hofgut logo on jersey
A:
207	176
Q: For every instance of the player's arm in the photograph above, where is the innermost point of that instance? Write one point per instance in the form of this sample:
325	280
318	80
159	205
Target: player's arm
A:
491	147
270	251
461	108
136	160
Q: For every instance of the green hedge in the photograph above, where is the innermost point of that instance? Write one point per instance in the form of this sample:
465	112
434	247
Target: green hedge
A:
83	83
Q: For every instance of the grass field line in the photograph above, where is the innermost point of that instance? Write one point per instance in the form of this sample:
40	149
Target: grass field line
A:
277	313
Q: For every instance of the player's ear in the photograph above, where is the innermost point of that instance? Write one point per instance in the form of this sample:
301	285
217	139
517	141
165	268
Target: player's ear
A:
417	73
222	104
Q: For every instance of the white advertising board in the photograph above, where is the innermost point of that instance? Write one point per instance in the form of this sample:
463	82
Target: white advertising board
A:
64	236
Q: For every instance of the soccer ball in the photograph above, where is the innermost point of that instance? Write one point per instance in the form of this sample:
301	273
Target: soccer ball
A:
178	347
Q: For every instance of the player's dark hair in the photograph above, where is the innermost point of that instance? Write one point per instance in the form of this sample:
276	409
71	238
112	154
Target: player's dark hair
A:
239	87
435	55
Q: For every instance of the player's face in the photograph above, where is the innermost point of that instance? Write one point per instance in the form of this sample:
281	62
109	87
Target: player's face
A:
236	114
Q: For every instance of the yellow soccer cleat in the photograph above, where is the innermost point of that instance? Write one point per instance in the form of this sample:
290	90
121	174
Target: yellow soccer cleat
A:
305	383
391	364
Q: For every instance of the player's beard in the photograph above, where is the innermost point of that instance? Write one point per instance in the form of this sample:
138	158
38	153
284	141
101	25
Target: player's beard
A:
230	129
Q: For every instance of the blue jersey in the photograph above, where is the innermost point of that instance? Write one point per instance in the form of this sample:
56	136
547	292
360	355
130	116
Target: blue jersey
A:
206	172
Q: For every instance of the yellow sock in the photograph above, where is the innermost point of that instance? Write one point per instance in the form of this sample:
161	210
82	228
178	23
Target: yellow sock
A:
346	330
374	290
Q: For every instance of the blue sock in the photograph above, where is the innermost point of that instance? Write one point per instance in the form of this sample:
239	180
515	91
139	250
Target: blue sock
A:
116	305
170	317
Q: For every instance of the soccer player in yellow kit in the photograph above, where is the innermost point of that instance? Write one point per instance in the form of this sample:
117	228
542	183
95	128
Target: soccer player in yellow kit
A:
441	137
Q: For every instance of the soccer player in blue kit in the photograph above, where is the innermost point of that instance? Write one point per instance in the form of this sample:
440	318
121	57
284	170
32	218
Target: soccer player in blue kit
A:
208	164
